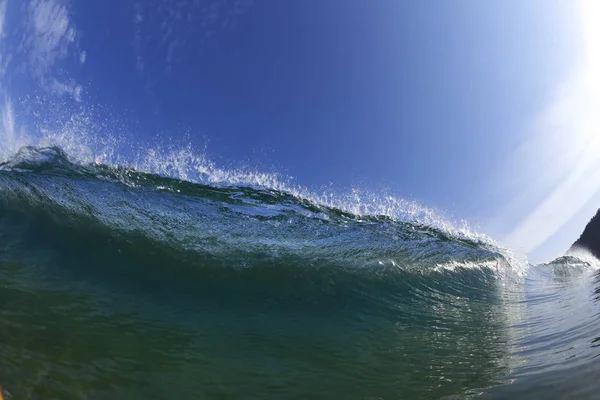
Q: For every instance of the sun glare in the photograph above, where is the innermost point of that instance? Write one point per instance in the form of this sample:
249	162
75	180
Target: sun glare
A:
590	24
590	77
567	140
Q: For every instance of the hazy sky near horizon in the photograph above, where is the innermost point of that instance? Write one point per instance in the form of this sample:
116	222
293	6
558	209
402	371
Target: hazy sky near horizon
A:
486	111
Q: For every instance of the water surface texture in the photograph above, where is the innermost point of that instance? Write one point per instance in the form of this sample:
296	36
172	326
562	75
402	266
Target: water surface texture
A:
122	284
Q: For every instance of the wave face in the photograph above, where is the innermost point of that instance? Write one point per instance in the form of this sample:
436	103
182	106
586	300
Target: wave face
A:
119	283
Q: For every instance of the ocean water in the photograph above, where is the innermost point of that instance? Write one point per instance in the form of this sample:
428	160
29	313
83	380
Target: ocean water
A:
146	281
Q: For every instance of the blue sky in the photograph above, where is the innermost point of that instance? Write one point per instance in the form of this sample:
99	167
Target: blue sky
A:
482	110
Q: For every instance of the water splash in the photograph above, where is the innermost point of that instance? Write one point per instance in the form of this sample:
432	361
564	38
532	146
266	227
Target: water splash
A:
86	143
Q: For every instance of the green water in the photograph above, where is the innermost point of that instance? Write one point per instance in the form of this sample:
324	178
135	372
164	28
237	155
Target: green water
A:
148	288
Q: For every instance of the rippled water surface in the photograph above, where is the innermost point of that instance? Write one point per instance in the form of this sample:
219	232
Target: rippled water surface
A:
120	284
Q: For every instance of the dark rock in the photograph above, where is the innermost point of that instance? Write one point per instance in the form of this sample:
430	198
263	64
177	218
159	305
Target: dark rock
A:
590	238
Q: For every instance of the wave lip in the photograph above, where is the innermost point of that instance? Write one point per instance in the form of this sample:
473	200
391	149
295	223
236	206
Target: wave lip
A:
30	158
226	219
185	165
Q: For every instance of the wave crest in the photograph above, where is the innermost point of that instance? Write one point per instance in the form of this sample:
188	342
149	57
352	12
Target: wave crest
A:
223	221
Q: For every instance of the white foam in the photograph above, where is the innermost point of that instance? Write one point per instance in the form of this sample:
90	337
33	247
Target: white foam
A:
585	256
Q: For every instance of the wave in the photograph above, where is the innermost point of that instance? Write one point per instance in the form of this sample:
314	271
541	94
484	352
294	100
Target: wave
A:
232	259
48	176
139	222
237	264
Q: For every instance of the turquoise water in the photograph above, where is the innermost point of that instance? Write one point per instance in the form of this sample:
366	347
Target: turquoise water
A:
119	284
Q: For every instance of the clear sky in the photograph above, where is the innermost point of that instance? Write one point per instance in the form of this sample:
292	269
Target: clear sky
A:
484	110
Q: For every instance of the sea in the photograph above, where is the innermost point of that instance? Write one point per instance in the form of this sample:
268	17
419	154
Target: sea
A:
165	277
